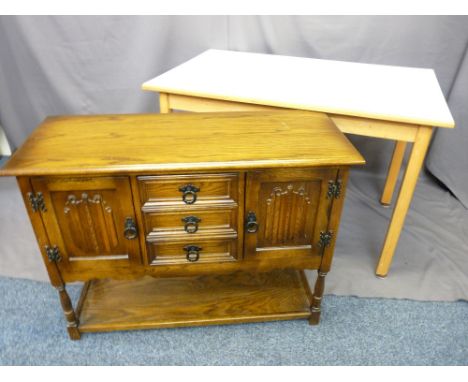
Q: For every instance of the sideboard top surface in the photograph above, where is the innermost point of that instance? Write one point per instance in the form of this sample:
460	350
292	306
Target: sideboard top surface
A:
110	144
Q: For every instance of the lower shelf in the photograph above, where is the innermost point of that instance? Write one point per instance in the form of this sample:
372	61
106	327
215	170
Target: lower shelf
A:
108	305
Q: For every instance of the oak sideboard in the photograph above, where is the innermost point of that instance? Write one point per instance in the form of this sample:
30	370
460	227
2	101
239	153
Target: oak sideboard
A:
185	219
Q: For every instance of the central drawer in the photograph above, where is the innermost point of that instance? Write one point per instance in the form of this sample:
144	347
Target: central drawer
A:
192	189
191	222
186	251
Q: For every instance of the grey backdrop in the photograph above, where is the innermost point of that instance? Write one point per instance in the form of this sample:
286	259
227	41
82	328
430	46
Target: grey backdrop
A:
82	65
94	64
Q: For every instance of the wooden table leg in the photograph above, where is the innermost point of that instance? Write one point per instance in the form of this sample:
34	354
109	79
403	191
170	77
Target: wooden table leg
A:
393	171
164	103
408	185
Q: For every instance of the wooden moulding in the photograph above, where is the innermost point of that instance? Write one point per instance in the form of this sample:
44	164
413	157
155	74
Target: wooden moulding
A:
108	305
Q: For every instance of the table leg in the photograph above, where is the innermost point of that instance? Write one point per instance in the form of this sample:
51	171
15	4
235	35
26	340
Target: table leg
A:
393	171
164	103
416	160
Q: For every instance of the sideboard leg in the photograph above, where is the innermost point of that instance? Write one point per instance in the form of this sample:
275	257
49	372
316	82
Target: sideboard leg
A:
72	322
317	298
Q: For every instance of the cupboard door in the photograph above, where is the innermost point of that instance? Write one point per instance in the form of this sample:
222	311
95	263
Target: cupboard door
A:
285	212
90	220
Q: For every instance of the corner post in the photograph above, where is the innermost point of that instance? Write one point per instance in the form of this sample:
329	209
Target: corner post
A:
70	316
315	309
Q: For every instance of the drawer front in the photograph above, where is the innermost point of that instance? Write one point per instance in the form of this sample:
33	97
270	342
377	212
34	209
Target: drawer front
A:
192	251
190	222
188	190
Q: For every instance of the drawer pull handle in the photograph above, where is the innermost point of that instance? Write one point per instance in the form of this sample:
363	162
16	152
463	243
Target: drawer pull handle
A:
251	224
130	229
189	193
193	252
191	224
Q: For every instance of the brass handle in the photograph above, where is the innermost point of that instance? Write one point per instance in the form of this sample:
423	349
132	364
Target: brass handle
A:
191	224
251	224
130	229
189	193
193	252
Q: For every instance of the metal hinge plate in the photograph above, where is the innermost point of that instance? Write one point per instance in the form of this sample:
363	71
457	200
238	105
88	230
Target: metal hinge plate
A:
325	239
53	253
37	202
334	189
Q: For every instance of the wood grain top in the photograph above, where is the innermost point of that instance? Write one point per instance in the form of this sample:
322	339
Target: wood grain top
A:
146	143
392	93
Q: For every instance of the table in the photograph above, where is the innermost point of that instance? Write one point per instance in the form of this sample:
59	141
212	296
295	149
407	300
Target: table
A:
389	102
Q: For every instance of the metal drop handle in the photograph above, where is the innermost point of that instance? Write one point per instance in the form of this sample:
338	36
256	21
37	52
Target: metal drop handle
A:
193	252
189	193
130	229
251	224
191	224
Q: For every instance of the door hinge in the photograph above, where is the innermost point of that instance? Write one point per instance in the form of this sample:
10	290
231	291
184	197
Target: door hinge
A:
37	202
325	239
53	253
334	188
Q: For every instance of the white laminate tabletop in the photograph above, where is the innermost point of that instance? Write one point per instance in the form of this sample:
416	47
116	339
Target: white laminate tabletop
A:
392	93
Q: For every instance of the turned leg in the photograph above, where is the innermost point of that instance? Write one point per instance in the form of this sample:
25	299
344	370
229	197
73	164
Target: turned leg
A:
317	298
72	322
393	171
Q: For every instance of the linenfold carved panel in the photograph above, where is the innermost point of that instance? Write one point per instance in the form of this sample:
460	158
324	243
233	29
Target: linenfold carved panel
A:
85	219
287	213
91	221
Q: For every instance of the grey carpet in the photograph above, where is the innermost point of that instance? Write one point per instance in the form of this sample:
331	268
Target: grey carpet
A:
353	331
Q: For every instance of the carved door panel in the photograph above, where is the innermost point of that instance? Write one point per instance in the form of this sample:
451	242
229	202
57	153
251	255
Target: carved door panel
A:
290	208
88	220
